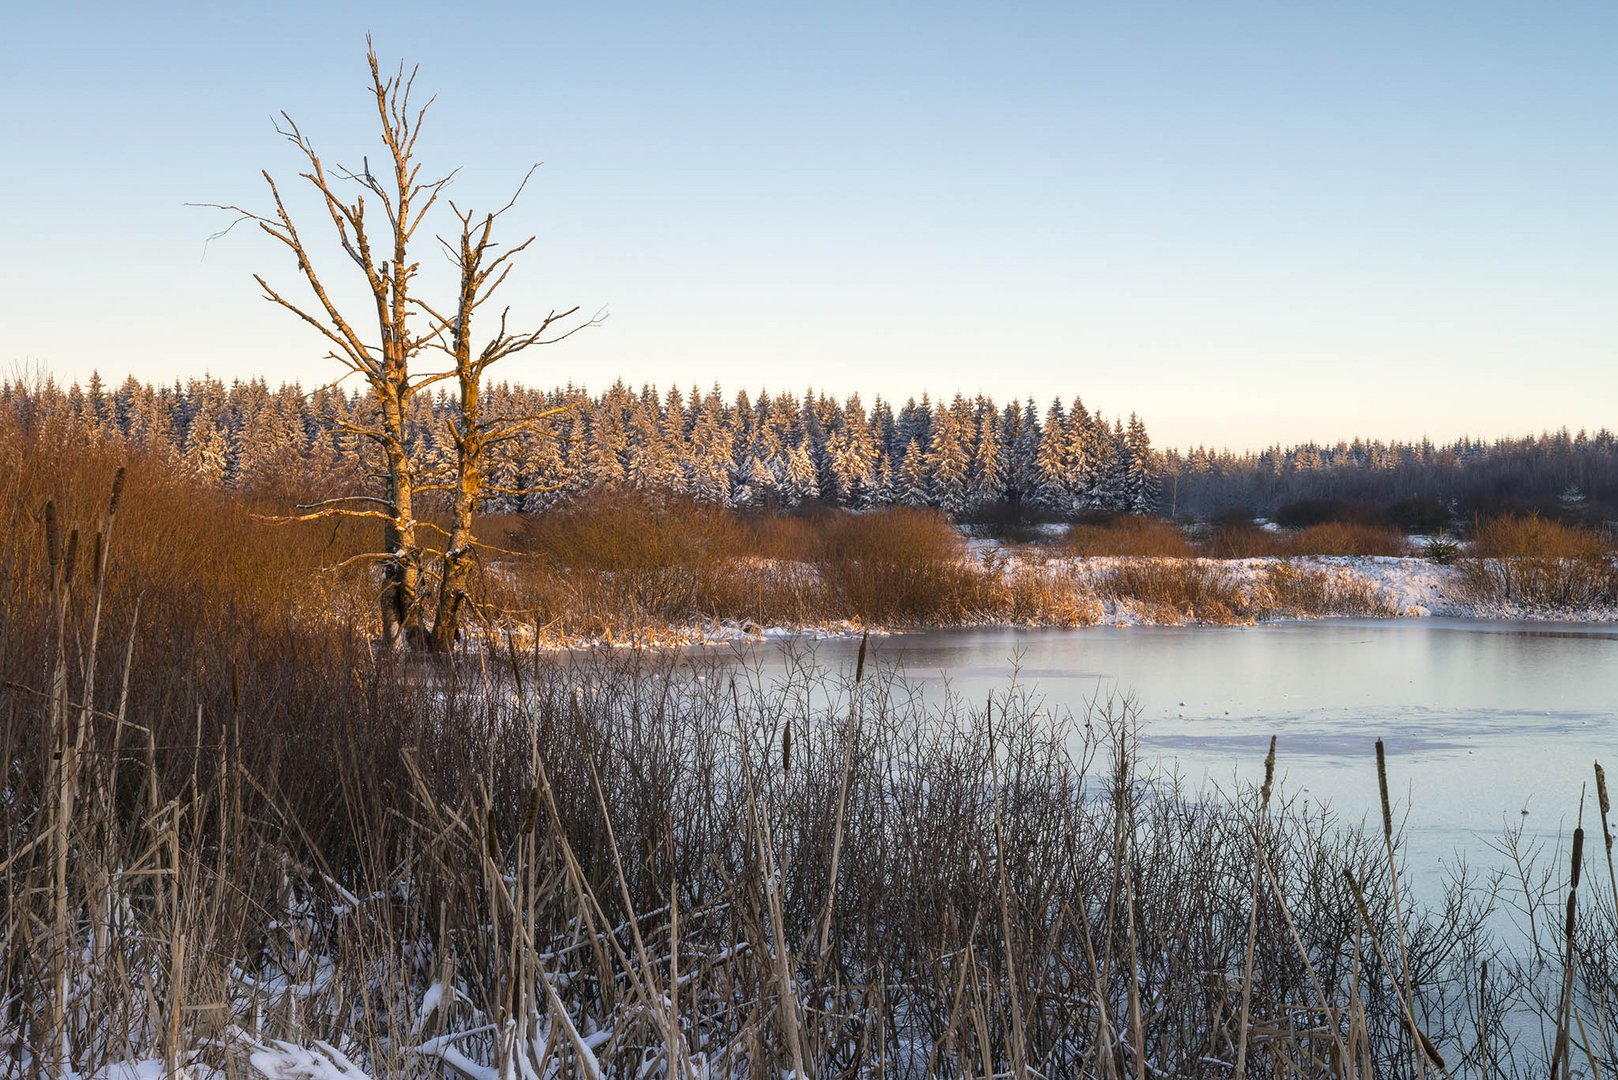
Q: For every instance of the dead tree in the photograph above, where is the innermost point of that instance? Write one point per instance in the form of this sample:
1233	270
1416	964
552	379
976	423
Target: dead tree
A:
406	327
482	271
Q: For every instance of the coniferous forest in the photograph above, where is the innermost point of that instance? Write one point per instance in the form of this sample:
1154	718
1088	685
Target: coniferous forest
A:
770	451
970	457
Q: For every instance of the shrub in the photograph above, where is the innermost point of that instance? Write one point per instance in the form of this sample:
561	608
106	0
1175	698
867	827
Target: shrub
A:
1442	550
1128	536
1300	591
619	562
1540	563
1302	513
1178	588
1014	523
1244	542
1347	538
901	565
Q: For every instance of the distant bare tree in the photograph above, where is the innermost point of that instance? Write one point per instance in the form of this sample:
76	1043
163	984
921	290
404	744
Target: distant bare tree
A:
407	327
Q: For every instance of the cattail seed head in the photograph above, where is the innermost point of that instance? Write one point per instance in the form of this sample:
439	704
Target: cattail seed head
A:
530	817
1382	783
1269	771
786	748
1601	790
1578	854
492	842
859	664
117	491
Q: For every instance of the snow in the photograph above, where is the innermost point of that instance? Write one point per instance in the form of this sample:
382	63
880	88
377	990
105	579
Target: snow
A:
320	1062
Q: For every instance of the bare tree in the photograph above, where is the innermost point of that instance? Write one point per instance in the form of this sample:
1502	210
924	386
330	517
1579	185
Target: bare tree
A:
482	271
406	327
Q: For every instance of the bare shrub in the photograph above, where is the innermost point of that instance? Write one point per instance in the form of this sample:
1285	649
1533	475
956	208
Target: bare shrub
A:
1349	538
1297	590
620	562
1048	595
1245	542
1131	535
1535	562
1179	589
902	566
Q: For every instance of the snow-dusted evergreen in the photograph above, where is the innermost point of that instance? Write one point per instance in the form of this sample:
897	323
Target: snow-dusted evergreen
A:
763	451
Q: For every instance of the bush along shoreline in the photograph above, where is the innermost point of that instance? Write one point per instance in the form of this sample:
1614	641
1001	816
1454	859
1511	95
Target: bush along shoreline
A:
691	574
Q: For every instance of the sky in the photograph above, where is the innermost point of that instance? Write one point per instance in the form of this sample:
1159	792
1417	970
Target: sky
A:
1249	222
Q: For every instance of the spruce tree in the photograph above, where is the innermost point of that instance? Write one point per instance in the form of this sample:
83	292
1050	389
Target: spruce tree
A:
946	463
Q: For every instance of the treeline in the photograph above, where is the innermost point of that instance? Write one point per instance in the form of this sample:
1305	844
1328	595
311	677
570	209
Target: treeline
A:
1422	484
968	457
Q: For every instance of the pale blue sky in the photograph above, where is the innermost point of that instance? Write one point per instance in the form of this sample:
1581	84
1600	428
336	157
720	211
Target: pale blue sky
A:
1249	222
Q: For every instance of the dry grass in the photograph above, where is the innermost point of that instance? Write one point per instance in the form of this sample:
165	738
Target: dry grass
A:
1537	563
1330	538
1179	590
1131	536
1295	590
1348	538
1047	595
1245	542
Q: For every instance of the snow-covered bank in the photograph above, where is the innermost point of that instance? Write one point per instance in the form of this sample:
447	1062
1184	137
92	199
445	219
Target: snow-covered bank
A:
1392	587
1024	587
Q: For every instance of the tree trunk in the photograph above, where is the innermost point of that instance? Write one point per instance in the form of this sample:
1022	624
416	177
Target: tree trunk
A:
456	571
401	611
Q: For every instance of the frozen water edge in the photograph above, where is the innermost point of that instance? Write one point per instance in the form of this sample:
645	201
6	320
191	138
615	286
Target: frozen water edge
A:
1404	586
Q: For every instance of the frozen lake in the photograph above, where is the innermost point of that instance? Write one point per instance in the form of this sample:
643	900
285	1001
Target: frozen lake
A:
1483	720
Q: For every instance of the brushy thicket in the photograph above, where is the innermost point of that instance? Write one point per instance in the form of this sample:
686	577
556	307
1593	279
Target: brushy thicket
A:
1532	562
615	565
1139	537
238	840
624	567
1158	538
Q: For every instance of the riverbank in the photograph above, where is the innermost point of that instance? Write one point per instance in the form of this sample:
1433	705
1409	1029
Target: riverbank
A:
1022	588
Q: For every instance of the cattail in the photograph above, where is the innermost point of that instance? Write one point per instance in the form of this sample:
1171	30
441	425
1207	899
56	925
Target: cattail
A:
859	664
53	539
1578	854
786	748
492	841
117	492
1382	782
1269	771
1601	790
530	817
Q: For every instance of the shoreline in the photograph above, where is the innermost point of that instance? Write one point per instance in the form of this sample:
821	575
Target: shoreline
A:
1382	588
